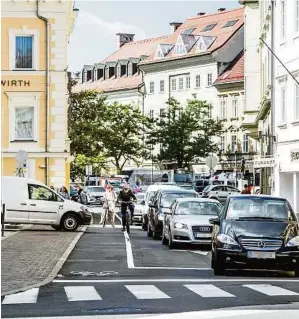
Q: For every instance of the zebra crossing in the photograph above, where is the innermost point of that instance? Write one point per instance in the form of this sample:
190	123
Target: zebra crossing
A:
150	292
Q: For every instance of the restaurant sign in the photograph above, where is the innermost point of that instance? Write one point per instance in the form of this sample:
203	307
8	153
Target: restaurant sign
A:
15	83
294	155
264	162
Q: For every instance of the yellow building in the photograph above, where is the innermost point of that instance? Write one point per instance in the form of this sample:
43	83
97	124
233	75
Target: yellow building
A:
34	82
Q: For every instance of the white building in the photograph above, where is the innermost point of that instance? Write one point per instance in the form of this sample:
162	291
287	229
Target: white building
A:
190	60
287	100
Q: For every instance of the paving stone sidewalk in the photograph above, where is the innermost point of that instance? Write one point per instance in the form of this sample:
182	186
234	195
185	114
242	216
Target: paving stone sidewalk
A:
34	256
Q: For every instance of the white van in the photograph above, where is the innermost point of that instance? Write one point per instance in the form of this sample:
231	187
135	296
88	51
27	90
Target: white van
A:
30	202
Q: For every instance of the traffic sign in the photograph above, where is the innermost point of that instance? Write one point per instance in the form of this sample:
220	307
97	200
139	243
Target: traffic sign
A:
21	157
88	170
211	161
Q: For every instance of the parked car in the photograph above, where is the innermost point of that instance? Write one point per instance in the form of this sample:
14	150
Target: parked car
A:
166	183
139	207
160	204
200	185
30	202
188	221
149	195
187	186
93	195
219	192
256	231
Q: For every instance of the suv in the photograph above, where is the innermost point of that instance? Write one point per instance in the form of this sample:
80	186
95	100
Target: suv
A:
200	185
219	192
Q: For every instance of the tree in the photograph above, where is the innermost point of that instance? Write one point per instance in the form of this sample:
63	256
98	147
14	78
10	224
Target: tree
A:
113	130
185	132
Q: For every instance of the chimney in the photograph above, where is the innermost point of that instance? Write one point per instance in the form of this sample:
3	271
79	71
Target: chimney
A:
175	26
201	13
221	9
123	38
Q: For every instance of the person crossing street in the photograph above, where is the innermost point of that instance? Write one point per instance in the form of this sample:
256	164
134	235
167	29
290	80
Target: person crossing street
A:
125	197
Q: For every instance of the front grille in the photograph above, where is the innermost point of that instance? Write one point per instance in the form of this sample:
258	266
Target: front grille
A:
261	243
202	229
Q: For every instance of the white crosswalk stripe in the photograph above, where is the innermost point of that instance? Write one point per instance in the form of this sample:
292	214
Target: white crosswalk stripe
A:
146	292
28	296
210	291
81	293
270	290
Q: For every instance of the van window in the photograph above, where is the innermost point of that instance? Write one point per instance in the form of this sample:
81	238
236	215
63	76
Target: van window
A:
38	192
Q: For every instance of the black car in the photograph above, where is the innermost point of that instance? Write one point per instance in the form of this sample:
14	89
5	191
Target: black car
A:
159	205
255	232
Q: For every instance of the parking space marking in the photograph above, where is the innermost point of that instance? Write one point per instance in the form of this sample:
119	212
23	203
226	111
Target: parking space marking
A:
28	296
208	291
81	293
147	292
270	290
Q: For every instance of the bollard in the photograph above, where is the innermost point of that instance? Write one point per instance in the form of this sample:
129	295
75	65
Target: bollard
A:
2	219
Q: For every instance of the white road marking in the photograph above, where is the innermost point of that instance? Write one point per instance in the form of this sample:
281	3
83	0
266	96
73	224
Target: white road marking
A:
146	292
81	293
174	280
173	268
116	215
28	296
130	259
199	252
209	291
270	290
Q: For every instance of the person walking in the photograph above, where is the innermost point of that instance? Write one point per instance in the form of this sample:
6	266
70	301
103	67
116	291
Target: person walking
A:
109	205
246	190
64	192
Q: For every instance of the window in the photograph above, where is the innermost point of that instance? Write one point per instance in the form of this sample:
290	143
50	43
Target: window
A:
235	107
189	31
173	84
245	143
208	27
188	82
162	86
24	52
223	108
181	84
283	105
197	81
37	192
230	23
162	112
234	144
180	47
282	25
151	114
210	110
297	102
152	87
296	16
222	144
209	79
24	118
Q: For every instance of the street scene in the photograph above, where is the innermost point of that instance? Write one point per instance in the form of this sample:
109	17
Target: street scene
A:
150	159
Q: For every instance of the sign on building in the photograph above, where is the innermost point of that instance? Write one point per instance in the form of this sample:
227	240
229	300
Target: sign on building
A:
264	162
294	156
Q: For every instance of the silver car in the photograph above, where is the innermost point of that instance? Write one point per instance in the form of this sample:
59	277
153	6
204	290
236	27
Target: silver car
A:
139	208
93	195
188	221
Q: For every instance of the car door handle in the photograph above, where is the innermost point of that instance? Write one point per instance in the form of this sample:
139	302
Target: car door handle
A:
32	204
23	204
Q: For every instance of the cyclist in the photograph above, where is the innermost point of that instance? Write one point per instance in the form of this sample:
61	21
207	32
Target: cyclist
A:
126	196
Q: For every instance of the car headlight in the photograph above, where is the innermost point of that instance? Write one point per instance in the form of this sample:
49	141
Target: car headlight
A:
225	239
293	242
180	226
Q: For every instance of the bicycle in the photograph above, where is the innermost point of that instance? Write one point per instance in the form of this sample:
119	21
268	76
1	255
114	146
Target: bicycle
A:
126	219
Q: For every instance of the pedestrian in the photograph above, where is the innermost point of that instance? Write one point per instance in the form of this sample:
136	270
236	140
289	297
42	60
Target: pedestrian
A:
246	190
64	192
109	205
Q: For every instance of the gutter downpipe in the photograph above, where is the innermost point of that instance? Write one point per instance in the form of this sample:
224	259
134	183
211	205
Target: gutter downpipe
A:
47	89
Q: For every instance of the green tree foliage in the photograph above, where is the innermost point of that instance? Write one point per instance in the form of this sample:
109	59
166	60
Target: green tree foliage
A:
185	132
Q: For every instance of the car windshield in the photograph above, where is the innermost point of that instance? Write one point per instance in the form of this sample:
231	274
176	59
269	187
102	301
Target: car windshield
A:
198	208
140	198
168	198
258	208
189	187
207	188
95	189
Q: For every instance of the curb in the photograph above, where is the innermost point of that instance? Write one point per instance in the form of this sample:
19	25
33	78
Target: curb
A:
55	270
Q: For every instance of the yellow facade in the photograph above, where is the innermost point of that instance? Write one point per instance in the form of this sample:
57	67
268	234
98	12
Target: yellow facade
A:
48	146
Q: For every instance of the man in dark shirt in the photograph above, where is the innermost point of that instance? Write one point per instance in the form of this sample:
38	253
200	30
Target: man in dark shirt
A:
126	196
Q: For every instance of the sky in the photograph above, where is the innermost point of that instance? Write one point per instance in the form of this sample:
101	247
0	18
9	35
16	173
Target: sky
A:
94	34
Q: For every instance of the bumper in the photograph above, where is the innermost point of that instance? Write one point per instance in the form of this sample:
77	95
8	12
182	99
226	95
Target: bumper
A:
187	237
239	259
137	218
85	218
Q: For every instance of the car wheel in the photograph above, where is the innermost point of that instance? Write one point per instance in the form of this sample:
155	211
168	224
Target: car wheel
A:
70	222
170	242
297	272
144	224
217	266
56	227
164	239
156	235
149	231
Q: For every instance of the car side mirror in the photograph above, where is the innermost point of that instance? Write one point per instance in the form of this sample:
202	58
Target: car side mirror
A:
214	221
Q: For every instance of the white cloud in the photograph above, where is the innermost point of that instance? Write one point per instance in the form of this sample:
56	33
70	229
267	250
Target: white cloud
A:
93	39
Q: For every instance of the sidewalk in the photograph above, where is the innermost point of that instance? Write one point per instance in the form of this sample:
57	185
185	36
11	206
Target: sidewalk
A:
33	257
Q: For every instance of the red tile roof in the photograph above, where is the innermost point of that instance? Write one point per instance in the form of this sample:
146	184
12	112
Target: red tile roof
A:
234	72
222	34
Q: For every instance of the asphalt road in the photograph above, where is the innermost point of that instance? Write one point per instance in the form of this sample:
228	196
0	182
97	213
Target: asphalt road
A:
109	272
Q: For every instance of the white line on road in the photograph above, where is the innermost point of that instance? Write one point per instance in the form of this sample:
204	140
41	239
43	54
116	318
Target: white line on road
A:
28	296
81	293
208	291
270	290
130	259
147	292
173	268
174	280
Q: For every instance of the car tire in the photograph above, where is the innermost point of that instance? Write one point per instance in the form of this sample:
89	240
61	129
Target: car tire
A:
156	235
70	222
164	239
149	231
217	266
56	227
170	242
144	224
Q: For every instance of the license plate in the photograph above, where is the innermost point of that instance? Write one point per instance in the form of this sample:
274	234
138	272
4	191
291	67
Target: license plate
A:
260	255
201	235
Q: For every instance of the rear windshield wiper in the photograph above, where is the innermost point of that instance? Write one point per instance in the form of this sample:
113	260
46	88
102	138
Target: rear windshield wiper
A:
260	218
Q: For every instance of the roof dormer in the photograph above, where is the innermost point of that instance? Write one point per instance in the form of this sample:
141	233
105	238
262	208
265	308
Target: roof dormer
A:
87	73
162	50
180	46
203	43
98	71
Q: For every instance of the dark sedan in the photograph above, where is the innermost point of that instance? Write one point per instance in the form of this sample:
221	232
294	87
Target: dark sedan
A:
256	232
